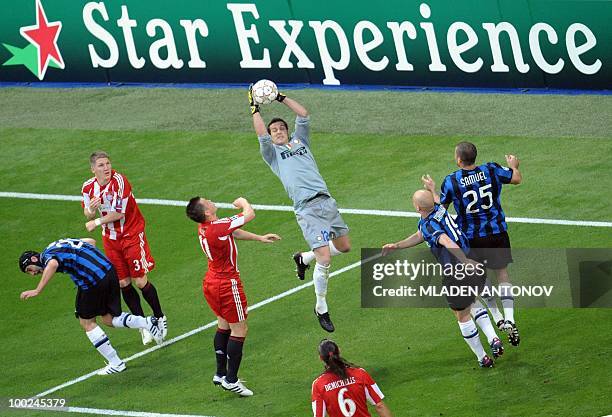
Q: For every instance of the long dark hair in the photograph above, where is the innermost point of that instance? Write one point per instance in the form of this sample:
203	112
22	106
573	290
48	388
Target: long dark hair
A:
330	355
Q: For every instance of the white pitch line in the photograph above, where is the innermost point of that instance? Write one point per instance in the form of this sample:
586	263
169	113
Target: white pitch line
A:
103	412
206	326
265	207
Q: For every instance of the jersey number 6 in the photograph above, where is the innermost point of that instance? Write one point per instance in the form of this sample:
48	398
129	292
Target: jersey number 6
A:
347	406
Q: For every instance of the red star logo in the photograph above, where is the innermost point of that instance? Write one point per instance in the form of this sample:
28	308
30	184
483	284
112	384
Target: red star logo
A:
44	35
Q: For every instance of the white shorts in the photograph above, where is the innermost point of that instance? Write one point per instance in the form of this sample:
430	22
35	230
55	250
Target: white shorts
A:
320	221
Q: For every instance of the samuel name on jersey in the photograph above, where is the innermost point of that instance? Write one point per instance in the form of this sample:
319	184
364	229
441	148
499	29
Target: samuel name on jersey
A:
476	195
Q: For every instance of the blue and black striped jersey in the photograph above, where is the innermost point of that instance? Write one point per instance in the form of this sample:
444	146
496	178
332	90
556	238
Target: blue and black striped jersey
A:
85	264
476	195
439	222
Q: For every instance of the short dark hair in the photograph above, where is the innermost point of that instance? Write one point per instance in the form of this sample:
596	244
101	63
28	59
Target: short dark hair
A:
466	151
277	119
97	155
25	259
195	210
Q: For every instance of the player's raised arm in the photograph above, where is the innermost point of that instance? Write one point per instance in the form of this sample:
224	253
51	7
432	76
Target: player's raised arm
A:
513	162
247	210
258	122
430	185
296	107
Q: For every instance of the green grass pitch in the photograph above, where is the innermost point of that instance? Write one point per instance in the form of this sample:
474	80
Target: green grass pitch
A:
372	148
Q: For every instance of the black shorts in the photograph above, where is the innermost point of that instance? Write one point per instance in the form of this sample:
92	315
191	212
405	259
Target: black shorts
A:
100	300
493	250
462	301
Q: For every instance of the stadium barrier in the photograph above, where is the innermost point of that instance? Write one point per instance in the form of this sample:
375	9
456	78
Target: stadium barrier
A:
472	43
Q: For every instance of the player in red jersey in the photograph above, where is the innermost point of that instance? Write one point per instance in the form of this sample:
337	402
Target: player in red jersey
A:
123	234
344	389
222	286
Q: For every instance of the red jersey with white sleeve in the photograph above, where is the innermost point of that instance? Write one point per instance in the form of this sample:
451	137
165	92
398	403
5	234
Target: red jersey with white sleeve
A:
219	246
115	196
336	397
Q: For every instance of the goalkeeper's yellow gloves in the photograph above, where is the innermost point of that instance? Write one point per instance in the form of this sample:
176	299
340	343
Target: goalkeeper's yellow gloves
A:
280	97
254	107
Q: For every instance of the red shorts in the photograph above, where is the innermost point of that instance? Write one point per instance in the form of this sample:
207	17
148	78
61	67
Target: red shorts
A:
130	255
225	297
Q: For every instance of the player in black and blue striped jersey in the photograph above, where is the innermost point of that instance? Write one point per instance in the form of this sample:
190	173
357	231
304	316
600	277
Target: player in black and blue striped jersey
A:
97	292
451	248
475	191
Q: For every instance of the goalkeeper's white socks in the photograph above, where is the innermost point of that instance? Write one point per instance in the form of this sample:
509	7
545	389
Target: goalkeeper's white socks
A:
320	277
505	293
131	321
471	337
100	341
308	257
481	317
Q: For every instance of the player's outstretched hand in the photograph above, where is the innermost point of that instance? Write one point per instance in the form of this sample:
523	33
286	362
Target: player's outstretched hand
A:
269	238
428	183
29	294
254	107
388	248
240	202
512	161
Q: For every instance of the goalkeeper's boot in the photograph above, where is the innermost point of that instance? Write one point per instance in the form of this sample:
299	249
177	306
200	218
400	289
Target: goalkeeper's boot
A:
300	266
325	321
497	347
486	362
513	333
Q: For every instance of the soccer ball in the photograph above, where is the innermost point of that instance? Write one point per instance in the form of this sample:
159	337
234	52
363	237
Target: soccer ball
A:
264	92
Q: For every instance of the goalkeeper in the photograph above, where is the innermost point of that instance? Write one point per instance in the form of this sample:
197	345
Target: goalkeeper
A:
291	159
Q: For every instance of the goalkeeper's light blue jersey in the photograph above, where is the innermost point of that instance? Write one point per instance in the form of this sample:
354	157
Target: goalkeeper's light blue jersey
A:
294	164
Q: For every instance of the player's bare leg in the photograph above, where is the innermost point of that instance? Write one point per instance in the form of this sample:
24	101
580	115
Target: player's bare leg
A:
469	331
220	341
302	260
320	278
234	356
505	290
100	341
149	292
